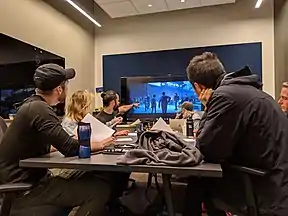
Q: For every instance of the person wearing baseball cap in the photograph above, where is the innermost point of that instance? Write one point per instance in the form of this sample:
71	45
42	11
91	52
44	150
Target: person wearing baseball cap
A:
187	111
34	129
52	79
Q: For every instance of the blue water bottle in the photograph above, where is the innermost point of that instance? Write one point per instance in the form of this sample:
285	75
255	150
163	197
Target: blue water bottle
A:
84	137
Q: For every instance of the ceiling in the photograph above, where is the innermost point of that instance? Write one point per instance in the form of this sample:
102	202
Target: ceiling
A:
124	8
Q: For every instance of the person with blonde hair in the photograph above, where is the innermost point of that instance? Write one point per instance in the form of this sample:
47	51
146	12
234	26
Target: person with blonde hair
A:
79	105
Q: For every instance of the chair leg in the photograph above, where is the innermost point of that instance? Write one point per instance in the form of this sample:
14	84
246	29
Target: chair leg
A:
6	205
251	201
149	180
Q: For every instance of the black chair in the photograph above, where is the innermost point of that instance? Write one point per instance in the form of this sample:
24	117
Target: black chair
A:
250	196
9	191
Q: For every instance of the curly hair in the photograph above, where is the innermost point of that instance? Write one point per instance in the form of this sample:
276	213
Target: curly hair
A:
79	105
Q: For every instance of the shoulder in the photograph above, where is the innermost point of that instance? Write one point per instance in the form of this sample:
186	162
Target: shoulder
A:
100	114
221	102
68	121
69	125
36	107
220	95
196	116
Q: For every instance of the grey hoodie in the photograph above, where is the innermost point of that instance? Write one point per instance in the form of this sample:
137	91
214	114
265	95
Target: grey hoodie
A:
162	148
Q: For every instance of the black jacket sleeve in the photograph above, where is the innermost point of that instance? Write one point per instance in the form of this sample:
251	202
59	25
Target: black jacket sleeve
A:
45	121
218	129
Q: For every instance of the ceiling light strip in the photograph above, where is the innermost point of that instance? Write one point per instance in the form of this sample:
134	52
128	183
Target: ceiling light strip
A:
258	3
83	12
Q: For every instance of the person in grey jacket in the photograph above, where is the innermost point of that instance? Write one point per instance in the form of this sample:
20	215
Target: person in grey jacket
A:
187	111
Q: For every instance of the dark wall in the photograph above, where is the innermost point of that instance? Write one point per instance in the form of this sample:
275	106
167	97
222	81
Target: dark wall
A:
161	63
16	51
18	61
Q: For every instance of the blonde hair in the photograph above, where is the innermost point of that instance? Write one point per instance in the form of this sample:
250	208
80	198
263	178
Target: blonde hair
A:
80	104
285	85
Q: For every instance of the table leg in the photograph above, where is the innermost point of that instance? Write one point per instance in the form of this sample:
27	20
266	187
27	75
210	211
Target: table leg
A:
168	194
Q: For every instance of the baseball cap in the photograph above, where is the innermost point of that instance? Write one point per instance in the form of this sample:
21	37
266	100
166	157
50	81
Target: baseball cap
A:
49	76
188	106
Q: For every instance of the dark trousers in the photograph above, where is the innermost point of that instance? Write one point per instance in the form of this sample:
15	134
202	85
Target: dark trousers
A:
227	192
118	183
89	192
198	192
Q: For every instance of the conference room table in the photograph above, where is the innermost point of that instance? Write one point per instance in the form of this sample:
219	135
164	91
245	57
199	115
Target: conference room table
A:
108	162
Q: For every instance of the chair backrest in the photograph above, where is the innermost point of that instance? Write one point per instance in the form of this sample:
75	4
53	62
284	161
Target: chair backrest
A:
3	128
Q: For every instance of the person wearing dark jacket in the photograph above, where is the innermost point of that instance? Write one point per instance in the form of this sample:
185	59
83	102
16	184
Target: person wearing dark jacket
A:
34	129
242	125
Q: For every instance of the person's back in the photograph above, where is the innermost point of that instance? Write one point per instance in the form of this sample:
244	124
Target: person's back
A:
255	125
22	141
241	125
259	138
31	134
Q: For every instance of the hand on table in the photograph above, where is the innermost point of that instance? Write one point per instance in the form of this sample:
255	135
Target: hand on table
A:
121	133
96	146
108	141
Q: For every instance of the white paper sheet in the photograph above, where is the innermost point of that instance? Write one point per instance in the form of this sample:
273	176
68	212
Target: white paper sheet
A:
124	139
162	126
99	131
135	123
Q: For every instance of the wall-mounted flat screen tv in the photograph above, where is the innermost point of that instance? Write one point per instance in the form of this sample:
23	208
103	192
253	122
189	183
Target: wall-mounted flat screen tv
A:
18	61
158	96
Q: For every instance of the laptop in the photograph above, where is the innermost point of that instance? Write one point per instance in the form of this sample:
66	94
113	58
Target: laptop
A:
177	124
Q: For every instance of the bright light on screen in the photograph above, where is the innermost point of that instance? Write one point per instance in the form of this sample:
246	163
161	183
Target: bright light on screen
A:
151	98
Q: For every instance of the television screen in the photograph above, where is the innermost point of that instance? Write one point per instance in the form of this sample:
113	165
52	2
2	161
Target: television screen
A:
18	61
10	97
158	96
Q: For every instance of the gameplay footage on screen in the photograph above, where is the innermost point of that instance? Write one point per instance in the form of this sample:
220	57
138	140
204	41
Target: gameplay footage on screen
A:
158	96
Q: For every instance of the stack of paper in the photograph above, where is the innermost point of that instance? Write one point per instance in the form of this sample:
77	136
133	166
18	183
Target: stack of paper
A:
135	123
162	126
99	131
